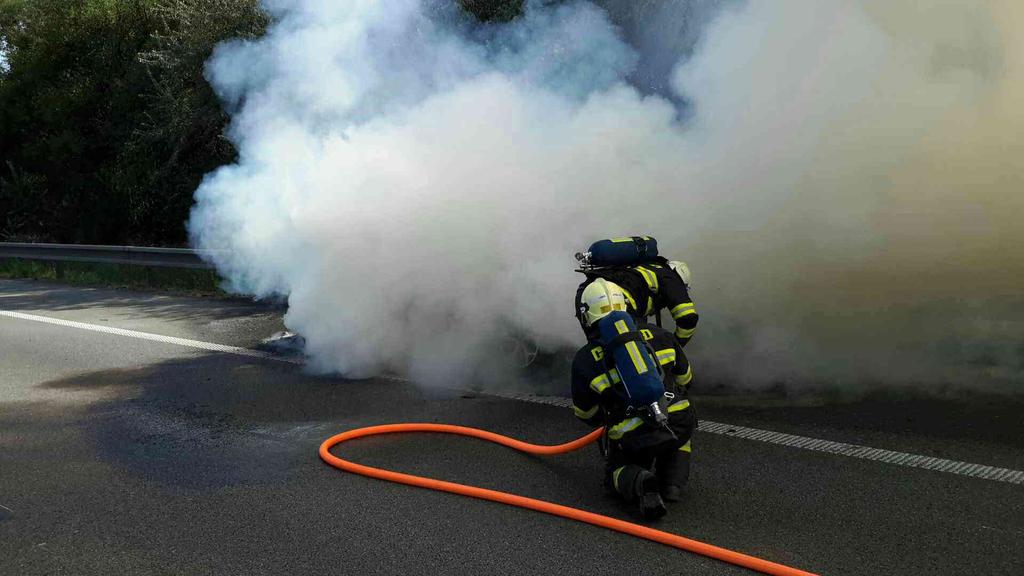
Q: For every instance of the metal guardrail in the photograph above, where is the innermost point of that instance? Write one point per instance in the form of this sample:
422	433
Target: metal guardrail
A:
130	255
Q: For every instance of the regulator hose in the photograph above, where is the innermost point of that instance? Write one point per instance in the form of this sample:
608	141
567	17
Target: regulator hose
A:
751	562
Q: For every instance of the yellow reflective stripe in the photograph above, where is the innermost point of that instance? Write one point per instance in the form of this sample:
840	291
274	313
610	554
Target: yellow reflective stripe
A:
682	313
629	298
585	414
624	427
686	447
614	373
600	384
684	379
679	406
649	277
615	476
685	333
634	352
650	306
638	360
681	306
665	356
681	310
625	239
643	272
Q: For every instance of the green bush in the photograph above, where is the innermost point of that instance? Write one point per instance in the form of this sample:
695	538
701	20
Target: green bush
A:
201	282
106	122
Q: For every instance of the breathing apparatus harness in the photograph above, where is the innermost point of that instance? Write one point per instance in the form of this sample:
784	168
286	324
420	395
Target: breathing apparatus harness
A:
608	356
618	253
641	385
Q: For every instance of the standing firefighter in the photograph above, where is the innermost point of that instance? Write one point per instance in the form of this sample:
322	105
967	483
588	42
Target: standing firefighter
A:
627	378
649	282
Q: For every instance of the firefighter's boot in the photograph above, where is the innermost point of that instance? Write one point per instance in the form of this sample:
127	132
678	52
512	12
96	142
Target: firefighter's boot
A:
639	486
673	471
648	497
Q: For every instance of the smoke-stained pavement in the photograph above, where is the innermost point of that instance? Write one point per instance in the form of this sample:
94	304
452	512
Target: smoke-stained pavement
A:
127	456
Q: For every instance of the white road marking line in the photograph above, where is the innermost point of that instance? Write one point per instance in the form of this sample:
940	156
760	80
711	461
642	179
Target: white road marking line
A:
153	337
818	445
803	442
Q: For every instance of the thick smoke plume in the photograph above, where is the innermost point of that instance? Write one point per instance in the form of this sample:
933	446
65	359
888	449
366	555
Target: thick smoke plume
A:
843	177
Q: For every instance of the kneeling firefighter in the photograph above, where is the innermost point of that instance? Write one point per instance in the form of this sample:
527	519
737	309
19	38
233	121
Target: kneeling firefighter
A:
649	282
626	378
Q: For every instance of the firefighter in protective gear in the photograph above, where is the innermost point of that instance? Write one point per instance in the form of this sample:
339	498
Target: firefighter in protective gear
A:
648	463
648	288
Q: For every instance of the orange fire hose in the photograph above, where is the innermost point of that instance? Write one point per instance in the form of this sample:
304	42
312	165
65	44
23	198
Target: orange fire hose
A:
723	554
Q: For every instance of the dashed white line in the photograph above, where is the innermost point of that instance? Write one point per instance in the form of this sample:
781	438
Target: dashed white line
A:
839	448
152	337
790	440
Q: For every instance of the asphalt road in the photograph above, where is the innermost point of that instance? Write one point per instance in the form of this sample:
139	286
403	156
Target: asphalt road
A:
126	456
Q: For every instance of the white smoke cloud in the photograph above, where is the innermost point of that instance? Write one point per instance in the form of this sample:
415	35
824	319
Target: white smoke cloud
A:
416	183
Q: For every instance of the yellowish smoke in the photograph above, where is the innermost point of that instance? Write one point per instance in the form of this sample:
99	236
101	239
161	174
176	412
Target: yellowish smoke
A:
880	147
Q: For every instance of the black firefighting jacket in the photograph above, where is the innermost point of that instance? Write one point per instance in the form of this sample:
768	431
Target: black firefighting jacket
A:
596	389
649	288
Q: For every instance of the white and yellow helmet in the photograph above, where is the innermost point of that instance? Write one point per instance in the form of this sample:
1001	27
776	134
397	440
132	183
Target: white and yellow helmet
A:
682	269
599	299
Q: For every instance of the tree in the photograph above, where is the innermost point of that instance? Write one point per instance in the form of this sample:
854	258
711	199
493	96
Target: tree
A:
180	134
61	118
106	122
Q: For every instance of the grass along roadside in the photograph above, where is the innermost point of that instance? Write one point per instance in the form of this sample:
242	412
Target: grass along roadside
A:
177	280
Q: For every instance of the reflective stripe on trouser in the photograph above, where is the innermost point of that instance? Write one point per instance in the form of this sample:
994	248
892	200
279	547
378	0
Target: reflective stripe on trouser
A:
615	476
622	428
585	414
623	480
679	406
